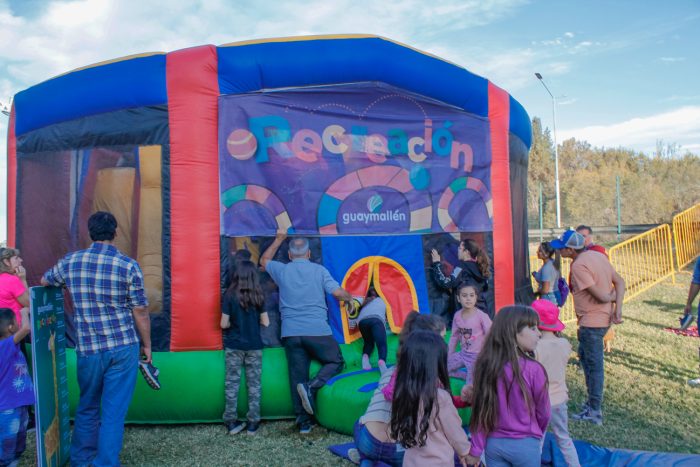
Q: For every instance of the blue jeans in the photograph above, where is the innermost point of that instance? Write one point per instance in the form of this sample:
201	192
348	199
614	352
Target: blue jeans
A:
590	352
507	452
13	433
106	380
372	451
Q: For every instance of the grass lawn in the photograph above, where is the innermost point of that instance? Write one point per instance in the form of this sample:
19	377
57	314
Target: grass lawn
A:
648	405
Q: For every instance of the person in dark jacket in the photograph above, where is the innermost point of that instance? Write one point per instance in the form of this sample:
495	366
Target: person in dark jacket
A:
473	267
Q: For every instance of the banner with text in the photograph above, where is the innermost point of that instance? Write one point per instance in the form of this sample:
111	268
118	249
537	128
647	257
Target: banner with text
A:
50	378
365	158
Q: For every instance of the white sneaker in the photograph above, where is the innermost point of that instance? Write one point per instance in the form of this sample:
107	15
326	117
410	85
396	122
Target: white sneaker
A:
694	382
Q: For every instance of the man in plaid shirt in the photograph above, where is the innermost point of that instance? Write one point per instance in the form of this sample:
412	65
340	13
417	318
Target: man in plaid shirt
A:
110	306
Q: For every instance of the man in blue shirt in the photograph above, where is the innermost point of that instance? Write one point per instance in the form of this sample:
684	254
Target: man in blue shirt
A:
306	334
110	307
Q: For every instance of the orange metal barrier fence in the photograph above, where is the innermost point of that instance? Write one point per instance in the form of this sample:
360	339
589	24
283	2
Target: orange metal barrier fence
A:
686	235
644	260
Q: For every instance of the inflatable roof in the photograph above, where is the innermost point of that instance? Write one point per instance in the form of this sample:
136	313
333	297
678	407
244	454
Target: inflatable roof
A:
376	151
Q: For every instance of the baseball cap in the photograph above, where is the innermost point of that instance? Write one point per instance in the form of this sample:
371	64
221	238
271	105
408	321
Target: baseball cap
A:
569	239
549	315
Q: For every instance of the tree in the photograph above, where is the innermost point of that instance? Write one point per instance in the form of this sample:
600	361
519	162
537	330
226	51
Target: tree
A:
652	188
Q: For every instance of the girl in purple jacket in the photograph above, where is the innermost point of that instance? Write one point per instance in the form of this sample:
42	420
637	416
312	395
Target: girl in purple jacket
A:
511	407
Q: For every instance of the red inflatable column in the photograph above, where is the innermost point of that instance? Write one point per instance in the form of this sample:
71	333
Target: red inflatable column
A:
193	92
11	182
499	115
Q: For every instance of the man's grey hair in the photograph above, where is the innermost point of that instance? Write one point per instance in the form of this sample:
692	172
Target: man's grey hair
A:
299	247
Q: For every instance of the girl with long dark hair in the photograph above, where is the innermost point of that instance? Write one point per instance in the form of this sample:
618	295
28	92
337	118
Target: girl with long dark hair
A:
241	317
511	406
423	417
372	434
474	267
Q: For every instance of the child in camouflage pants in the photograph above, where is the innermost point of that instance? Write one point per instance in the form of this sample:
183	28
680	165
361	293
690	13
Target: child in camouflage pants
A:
241	318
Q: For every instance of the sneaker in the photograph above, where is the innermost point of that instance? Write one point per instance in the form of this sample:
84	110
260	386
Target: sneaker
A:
234	428
305	428
694	382
593	416
582	413
354	456
382	365
589	415
365	362
253	427
307	399
686	321
150	374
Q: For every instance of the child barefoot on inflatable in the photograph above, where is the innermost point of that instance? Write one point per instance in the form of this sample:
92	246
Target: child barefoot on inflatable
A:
372	322
470	327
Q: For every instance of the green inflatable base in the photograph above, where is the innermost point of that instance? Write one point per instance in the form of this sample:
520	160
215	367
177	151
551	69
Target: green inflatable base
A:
192	389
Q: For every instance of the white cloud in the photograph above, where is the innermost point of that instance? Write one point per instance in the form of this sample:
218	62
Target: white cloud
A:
677	98
513	70
672	59
565	100
66	35
72	34
565	45
681	126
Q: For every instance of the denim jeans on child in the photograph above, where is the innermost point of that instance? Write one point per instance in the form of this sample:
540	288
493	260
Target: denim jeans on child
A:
106	380
373	451
13	433
590	351
507	452
373	332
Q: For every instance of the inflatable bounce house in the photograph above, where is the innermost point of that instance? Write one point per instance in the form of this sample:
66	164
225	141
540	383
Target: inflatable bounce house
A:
375	151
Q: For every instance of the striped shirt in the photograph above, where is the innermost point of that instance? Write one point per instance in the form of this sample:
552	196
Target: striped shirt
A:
105	286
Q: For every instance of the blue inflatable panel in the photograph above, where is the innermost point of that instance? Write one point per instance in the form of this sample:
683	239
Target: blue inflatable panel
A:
296	63
124	84
520	124
590	454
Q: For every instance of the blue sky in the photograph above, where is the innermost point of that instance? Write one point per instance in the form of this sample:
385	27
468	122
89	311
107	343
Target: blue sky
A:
625	73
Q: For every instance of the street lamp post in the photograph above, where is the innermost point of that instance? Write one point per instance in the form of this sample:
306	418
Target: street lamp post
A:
556	151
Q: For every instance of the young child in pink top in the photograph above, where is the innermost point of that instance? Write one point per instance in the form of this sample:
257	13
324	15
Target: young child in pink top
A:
553	353
470	327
